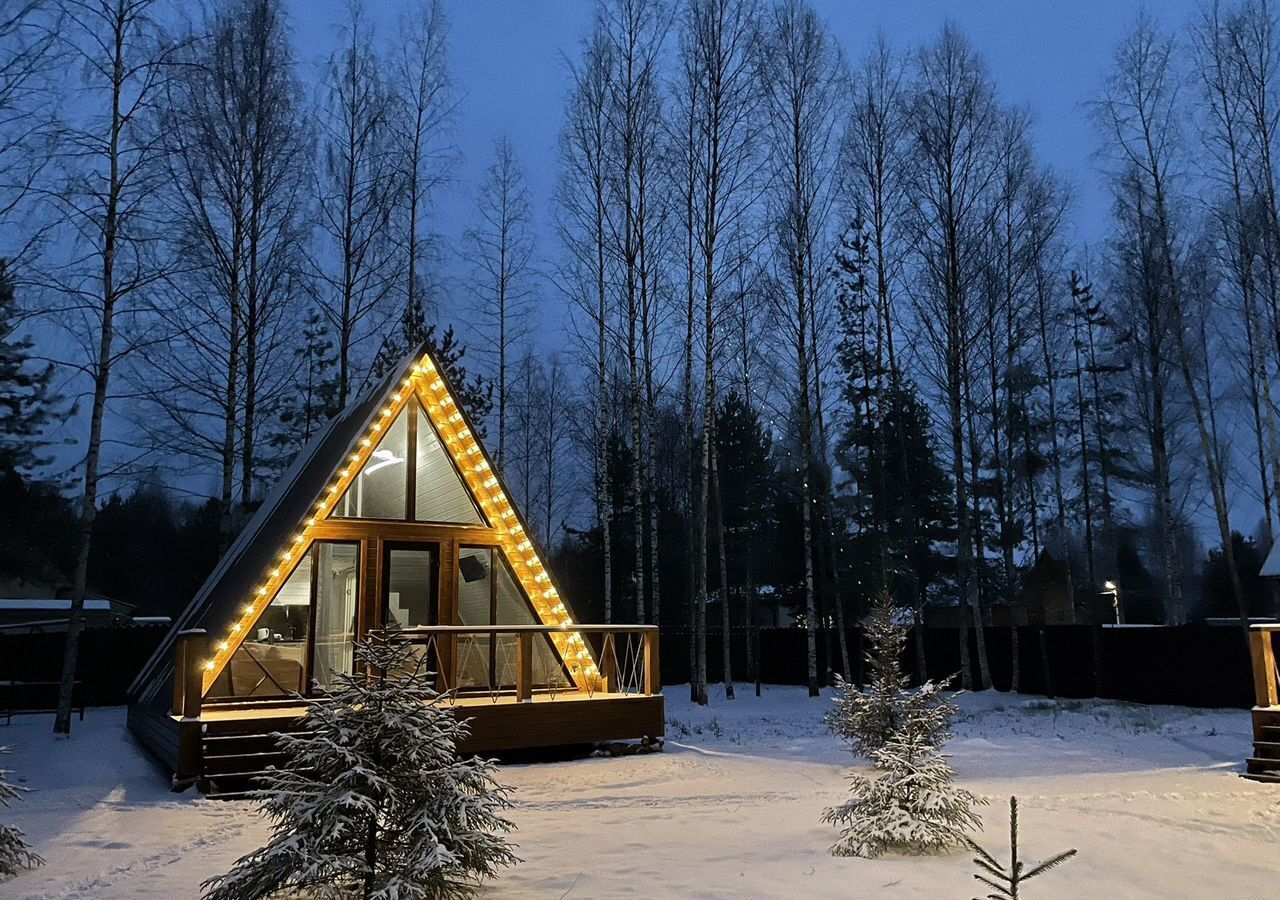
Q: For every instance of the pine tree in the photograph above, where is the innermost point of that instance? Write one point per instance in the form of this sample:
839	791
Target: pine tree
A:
911	807
15	852
314	400
887	710
25	395
1006	882
374	801
473	391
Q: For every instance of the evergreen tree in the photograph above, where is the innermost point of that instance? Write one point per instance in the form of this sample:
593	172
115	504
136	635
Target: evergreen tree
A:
1006	882
473	391
314	400
897	496
15	852
911	807
888	710
374	801
25	396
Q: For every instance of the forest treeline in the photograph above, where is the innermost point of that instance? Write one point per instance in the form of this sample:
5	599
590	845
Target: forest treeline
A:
830	333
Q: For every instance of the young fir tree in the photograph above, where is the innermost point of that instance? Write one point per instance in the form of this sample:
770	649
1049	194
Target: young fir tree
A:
314	400
15	852
912	806
374	801
474	392
887	710
25	396
1006	882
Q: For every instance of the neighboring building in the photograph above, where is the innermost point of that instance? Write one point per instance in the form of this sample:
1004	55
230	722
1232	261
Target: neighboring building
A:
393	516
48	614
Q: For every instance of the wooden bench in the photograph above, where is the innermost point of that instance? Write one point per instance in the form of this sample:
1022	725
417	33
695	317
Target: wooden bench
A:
15	692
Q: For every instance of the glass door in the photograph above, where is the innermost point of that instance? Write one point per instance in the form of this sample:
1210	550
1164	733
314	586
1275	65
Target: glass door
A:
411	590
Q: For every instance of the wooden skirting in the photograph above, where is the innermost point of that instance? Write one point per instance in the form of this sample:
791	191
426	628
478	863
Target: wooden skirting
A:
225	745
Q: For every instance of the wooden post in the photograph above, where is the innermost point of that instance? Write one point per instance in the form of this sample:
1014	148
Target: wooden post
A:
524	667
608	665
652	669
188	694
188	676
1263	651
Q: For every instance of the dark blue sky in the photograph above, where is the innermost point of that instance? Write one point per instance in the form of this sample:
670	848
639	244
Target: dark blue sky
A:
507	58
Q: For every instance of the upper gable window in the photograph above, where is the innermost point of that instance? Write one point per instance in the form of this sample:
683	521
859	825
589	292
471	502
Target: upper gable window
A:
410	478
441	495
378	492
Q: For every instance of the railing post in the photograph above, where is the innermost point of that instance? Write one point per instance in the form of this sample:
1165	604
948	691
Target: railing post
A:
188	674
188	695
608	664
652	669
1263	651
524	667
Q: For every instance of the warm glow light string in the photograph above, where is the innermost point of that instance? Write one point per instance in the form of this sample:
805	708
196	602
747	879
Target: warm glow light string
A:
484	484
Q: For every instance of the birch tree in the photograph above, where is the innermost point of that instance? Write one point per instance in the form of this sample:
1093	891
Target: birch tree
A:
500	251
955	119
717	47
358	189
583	228
803	79
105	208
423	109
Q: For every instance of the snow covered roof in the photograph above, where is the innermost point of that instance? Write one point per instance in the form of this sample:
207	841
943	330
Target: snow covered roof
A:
1271	565
54	605
215	605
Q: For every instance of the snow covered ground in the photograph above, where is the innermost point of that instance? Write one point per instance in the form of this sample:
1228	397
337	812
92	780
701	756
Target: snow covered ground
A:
1149	795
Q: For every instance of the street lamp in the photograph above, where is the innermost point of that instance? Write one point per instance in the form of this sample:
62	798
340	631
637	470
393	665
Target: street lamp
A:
1110	587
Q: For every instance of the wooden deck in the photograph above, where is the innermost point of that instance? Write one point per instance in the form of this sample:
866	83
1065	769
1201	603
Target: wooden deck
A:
502	722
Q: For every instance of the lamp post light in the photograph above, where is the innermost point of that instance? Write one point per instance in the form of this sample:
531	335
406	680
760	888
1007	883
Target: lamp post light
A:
1110	587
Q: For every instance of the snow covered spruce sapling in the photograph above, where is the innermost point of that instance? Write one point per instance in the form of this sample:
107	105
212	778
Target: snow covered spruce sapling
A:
374	801
868	719
15	852
1006	882
912	805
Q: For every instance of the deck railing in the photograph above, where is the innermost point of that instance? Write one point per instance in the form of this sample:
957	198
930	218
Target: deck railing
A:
1266	675
519	661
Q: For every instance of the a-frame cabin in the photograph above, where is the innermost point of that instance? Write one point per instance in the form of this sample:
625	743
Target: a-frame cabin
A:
394	515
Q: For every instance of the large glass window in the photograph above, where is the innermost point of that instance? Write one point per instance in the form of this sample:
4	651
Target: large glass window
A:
271	661
337	584
411	586
489	595
307	630
381	489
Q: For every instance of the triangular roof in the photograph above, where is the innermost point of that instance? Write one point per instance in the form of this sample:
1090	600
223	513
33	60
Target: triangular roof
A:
258	561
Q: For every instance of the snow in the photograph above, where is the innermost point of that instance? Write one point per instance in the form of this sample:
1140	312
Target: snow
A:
1149	795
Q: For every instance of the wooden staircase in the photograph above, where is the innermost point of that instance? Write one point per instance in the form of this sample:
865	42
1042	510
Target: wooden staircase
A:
235	753
1264	765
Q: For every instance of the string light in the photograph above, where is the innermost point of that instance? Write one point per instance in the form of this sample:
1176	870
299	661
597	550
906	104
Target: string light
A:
449	422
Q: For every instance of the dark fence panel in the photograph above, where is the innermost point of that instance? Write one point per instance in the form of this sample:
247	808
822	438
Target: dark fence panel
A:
109	659
1191	665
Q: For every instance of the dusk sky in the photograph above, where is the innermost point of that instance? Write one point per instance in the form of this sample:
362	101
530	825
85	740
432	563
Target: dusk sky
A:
508	59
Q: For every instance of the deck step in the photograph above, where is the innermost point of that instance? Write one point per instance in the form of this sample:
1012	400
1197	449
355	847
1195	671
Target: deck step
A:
238	762
1265	777
1267	749
1257	765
